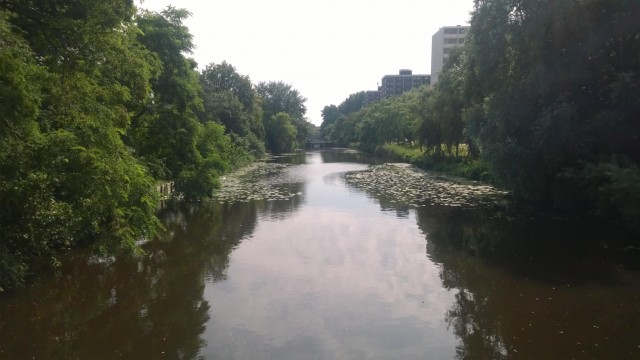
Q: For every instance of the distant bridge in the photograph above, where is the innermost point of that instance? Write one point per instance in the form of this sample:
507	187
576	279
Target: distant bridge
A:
318	144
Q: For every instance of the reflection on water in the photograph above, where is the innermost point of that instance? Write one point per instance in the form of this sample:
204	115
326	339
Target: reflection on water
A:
534	289
348	156
137	308
337	272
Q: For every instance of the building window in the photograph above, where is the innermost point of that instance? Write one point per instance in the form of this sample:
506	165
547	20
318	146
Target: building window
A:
451	31
450	41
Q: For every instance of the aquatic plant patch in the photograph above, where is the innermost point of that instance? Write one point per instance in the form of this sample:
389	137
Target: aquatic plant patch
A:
408	184
252	183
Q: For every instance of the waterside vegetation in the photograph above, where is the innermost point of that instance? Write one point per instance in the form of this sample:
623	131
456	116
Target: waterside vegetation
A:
542	100
101	101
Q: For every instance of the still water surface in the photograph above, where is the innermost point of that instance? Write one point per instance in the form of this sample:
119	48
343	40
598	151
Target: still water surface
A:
337	272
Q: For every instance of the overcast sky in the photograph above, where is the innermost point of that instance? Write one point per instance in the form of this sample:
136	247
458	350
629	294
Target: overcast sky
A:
326	49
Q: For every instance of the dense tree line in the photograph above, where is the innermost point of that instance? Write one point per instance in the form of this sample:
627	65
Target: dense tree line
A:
99	101
390	120
545	92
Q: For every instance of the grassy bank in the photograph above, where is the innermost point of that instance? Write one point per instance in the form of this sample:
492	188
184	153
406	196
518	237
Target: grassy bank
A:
446	161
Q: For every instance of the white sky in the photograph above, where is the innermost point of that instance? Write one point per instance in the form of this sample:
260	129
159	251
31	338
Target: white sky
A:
326	49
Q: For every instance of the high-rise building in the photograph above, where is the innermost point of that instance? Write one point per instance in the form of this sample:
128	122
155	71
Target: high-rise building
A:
371	97
393	85
442	42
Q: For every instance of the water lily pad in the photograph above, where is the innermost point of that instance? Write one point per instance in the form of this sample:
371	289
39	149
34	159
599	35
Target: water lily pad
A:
251	183
407	184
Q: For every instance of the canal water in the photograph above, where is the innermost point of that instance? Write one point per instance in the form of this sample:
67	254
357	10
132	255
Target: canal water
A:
301	259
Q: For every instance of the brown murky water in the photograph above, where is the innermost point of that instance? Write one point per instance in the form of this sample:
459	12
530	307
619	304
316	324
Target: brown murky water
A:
303	263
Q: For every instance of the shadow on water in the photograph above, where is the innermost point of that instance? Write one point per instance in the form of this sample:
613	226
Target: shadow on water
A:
337	155
296	158
348	156
531	288
150	307
521	284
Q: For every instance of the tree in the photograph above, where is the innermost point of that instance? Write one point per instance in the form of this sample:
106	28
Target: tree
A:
230	99
336	125
330	115
278	97
553	100
352	103
67	178
449	102
429	131
440	108
281	133
169	135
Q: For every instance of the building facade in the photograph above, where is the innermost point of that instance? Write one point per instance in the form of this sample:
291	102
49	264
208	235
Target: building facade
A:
442	42
393	85
371	97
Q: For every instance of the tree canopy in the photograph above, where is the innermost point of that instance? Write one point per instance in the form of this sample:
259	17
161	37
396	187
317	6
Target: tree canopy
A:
544	92
231	100
99	103
552	101
66	176
281	98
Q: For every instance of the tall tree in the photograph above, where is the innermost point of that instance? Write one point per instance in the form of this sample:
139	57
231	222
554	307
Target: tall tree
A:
444	110
168	134
230	99
67	178
278	97
281	133
553	92
335	124
352	103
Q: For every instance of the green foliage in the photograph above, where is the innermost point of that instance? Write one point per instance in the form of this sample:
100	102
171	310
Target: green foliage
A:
176	144
96	107
458	165
304	130
281	134
66	178
612	184
540	93
388	120
371	127
352	103
337	123
215	154
230	99
280	98
18	78
551	86
409	154
330	115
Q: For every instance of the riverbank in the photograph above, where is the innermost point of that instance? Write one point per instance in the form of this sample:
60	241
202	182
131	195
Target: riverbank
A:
460	165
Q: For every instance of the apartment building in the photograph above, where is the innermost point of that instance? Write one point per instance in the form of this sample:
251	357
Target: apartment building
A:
371	96
393	85
442	42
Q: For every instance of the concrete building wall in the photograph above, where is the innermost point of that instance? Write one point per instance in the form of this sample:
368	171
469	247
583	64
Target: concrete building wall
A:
442	42
393	85
371	97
